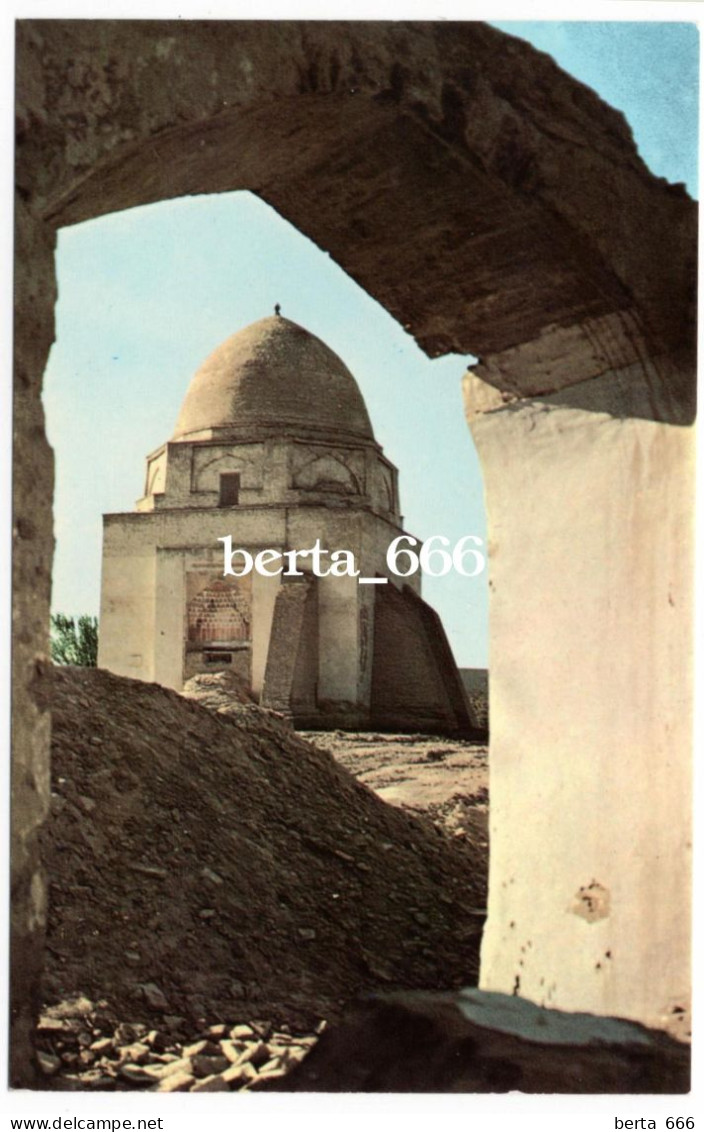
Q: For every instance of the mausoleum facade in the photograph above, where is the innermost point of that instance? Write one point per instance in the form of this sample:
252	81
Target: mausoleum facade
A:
274	448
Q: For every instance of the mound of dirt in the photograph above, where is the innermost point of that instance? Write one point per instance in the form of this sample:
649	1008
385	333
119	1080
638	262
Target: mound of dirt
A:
218	867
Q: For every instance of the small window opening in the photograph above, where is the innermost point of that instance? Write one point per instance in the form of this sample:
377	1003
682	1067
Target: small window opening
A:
229	489
217	657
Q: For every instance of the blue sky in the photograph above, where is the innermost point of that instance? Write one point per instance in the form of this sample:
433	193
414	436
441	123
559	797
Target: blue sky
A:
145	295
650	71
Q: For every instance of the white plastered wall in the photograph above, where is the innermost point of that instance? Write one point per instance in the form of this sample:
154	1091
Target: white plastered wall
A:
127	605
590	579
169	618
264	591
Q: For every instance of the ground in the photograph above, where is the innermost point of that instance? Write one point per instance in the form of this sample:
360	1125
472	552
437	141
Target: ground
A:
211	869
446	780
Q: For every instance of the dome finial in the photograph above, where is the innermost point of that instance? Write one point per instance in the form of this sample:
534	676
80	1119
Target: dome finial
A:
277	309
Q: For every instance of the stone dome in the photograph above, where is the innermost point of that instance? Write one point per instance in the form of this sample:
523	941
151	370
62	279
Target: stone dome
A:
273	377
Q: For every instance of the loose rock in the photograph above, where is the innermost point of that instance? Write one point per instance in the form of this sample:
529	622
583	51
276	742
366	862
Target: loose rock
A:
175	1083
211	1085
208	1066
239	1074
246	788
48	1063
154	997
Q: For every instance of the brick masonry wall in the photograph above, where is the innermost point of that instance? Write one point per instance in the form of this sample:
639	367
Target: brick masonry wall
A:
284	644
220	612
411	690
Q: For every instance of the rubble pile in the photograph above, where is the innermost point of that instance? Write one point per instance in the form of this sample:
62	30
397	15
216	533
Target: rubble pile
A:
219	868
226	692
220	691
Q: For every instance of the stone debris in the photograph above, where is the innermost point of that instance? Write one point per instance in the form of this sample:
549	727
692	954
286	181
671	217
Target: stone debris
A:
264	1078
223	1057
147	870
157	1040
231	989
209	1066
205	1047
231	1050
137	1053
134	1072
257	1053
54	1027
176	1083
49	1063
102	1045
211	1085
229	694
239	1075
257	868
154	997
219	691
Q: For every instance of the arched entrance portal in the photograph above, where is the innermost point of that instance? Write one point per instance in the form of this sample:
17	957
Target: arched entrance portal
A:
495	207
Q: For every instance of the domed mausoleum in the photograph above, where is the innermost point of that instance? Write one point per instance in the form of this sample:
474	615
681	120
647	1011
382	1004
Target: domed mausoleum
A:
274	447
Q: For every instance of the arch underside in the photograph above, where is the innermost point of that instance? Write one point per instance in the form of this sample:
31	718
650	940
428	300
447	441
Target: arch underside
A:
478	193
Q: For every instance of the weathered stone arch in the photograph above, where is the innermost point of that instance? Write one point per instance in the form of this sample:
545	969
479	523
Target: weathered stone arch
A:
494	206
206	476
326	473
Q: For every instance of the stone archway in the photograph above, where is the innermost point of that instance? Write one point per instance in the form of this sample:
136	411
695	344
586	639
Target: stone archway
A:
494	206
